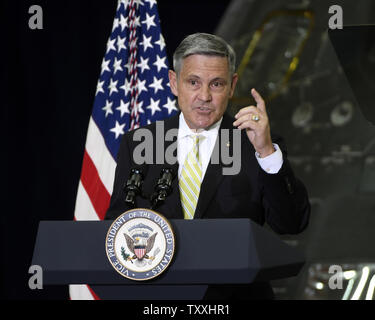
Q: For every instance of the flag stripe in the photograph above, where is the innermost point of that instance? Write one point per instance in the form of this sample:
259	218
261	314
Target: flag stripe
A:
98	152
82	292
94	187
94	295
84	209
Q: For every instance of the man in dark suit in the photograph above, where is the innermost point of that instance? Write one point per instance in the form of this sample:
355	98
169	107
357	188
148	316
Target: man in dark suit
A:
264	189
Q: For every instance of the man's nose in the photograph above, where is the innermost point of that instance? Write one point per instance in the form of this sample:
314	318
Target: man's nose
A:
205	94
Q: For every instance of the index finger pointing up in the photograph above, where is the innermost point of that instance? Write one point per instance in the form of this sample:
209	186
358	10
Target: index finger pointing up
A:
258	99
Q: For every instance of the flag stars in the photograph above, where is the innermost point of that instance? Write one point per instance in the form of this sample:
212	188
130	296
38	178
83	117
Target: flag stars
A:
125	2
137	23
149	88
138	107
108	108
99	87
123	22
123	108
128	66
161	42
111	45
146	43
105	66
160	63
141	86
151	2
149	21
170	105
115	24
118	129
112	86
154	106
117	66
138	3
143	64
126	87
121	43
157	85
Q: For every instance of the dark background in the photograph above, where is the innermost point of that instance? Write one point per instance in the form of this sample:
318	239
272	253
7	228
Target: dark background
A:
48	83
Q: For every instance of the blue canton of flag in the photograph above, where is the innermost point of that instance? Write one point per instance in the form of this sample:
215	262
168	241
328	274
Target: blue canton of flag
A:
133	88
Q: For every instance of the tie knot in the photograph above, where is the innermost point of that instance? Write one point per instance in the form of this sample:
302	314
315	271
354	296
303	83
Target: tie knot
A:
196	138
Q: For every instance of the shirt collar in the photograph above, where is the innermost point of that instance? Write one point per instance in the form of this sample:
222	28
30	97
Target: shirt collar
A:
184	129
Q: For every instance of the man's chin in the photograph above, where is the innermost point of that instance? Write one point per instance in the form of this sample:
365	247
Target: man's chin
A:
204	122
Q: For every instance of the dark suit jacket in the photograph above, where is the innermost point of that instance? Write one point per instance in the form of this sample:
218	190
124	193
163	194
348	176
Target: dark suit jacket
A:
279	199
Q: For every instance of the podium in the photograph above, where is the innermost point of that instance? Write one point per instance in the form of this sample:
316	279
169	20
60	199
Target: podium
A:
208	251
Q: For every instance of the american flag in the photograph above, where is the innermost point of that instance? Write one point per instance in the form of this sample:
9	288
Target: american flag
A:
132	91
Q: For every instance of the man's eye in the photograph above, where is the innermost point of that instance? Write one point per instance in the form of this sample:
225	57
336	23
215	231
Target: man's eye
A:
217	84
193	82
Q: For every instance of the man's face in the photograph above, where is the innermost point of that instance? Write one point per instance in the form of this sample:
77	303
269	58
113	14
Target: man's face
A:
203	89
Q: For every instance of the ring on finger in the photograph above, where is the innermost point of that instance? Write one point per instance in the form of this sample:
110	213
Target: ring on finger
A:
255	118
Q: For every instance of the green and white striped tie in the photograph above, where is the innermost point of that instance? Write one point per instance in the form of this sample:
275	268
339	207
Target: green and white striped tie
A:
190	180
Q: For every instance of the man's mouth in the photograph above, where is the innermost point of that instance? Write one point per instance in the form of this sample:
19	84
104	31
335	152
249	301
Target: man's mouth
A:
203	109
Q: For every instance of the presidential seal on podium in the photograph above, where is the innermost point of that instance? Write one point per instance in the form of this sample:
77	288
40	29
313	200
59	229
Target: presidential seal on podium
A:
140	244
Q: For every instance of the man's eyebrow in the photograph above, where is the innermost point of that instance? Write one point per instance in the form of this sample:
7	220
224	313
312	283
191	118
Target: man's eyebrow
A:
193	76
219	79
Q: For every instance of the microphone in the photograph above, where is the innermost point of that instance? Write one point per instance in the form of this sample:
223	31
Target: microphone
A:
163	187
133	186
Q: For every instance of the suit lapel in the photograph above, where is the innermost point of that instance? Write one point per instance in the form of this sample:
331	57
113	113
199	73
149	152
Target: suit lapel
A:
214	174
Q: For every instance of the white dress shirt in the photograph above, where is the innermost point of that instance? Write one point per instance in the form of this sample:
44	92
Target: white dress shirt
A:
270	164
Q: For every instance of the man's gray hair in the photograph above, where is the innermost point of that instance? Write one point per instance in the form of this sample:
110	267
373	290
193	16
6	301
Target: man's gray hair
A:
204	44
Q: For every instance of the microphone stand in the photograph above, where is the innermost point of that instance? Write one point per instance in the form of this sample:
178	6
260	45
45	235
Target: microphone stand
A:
133	186
163	187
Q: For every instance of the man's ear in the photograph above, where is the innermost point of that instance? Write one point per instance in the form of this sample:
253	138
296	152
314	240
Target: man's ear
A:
173	82
233	84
